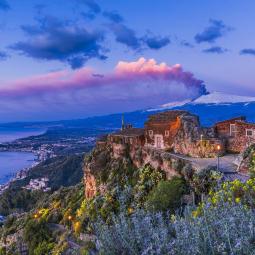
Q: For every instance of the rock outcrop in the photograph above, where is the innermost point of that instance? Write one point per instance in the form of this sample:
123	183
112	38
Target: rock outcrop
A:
108	158
195	141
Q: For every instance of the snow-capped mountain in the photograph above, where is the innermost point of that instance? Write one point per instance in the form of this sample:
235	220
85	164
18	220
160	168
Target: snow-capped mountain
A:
211	98
222	98
213	107
170	105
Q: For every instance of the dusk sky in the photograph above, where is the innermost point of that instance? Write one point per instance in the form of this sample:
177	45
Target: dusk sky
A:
65	59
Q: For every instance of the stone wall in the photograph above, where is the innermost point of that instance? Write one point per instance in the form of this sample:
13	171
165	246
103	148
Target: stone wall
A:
238	141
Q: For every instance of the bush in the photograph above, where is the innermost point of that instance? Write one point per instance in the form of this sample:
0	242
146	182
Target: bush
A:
147	178
205	180
166	195
224	229
38	236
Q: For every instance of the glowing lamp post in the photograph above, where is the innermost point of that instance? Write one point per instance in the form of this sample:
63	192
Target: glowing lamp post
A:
218	156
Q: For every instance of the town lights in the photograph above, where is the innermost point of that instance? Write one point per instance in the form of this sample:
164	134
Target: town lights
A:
36	216
70	217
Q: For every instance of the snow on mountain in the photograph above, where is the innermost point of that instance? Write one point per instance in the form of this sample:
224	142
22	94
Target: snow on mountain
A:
222	98
212	98
169	106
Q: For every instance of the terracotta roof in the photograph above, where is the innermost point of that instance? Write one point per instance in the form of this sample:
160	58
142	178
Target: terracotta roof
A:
167	116
129	132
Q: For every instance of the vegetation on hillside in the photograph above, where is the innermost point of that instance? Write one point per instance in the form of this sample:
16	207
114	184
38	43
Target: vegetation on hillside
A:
61	171
135	211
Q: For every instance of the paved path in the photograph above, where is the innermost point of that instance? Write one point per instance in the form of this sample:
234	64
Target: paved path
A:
228	165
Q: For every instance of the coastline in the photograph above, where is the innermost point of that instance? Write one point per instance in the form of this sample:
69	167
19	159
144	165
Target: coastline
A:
19	174
22	172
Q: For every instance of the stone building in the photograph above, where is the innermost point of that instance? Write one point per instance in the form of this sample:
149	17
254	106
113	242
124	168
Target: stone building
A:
181	132
128	135
237	132
162	128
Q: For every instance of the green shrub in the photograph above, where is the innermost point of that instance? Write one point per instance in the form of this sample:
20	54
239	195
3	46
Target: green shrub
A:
37	235
43	248
166	195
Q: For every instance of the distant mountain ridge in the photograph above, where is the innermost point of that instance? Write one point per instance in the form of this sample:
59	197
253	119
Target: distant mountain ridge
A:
211	108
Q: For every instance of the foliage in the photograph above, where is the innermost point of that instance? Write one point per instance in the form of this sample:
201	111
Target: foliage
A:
61	171
38	225
249	156
203	181
18	200
224	229
146	179
166	196
43	248
38	236
128	192
252	164
234	192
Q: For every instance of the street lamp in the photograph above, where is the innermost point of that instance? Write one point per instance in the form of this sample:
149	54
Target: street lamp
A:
218	157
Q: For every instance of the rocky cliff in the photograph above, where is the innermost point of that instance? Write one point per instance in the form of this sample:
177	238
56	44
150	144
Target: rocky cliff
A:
107	159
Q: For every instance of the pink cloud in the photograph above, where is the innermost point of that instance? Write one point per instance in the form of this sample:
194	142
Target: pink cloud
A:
130	86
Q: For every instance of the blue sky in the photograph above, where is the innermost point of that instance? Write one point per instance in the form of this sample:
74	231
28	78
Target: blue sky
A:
213	40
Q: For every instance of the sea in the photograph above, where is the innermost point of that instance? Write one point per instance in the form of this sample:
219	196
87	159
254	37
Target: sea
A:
12	162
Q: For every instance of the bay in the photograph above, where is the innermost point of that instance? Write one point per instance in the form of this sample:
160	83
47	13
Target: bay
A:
12	162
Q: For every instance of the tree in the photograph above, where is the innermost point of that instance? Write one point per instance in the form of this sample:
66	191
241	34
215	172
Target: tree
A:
166	196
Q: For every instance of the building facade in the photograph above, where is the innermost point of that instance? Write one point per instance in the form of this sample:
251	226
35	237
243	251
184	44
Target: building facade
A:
237	132
128	135
180	132
162	128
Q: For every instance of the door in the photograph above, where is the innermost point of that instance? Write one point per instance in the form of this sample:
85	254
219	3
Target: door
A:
158	142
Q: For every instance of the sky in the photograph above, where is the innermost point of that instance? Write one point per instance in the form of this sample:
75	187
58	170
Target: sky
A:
78	58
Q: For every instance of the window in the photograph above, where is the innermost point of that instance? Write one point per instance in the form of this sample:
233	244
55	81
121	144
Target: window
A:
167	133
233	129
249	132
150	132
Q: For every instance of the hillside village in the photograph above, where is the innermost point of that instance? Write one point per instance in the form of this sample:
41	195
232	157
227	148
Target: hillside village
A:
177	137
172	147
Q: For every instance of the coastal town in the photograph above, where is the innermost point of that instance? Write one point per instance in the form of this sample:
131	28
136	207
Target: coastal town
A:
43	150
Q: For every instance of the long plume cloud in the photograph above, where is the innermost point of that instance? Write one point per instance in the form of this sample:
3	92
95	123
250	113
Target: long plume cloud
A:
132	85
